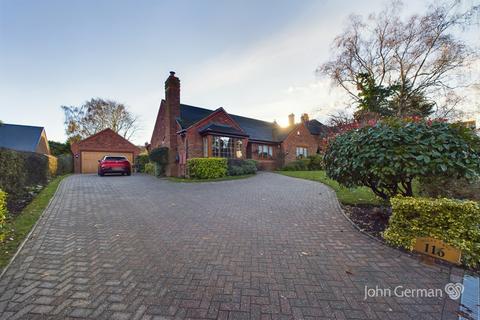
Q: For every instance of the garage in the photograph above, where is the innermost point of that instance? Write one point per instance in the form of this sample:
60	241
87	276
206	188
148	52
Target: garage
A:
87	152
90	159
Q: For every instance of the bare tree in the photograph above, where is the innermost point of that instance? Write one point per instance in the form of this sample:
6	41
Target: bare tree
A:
420	55
96	115
339	118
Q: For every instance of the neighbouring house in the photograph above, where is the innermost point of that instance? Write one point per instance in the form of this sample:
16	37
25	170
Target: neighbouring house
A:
24	138
87	152
192	132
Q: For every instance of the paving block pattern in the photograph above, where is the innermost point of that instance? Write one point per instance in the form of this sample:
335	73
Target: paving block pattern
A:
267	247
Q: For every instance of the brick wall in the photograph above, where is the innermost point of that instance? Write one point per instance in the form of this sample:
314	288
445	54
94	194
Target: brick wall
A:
299	137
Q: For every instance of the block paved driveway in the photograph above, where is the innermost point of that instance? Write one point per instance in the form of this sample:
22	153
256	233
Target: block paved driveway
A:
267	247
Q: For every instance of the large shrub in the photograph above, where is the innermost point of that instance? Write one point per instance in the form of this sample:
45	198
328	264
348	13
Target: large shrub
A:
207	168
65	164
140	161
452	221
238	167
149	168
388	156
160	157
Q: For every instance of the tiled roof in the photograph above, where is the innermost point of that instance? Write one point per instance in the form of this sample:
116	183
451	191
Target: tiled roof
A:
316	127
20	137
255	129
221	128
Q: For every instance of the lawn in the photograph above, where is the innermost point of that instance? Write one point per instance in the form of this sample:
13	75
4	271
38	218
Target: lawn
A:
20	225
175	179
350	196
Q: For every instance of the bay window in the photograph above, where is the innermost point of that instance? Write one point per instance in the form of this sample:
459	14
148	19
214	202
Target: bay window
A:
226	147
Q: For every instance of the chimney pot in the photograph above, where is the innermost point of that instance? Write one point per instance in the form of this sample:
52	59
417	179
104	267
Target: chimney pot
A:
291	120
305	117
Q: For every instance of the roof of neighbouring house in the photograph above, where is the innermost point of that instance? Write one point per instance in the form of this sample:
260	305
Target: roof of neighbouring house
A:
20	137
316	127
254	128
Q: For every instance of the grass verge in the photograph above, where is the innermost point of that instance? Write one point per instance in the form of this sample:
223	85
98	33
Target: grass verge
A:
17	227
349	196
175	179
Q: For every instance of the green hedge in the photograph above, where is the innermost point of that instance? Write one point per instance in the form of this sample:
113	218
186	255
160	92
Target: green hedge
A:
159	156
297	165
207	168
140	161
3	213
455	222
149	168
238	167
65	164
21	170
311	163
447	187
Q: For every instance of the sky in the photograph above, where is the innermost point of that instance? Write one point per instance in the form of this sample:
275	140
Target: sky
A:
253	58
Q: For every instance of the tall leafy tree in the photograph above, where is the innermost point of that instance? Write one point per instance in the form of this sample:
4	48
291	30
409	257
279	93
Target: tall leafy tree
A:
96	115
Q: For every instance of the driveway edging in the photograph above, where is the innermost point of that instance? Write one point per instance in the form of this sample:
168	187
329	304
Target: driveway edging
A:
31	231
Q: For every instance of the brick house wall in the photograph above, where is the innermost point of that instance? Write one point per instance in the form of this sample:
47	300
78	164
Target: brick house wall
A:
105	140
298	137
265	164
160	129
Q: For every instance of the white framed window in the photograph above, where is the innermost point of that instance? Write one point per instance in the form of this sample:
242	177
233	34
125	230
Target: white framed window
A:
205	147
265	151
302	152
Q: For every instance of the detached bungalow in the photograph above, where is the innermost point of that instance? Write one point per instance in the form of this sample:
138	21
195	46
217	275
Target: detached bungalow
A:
191	132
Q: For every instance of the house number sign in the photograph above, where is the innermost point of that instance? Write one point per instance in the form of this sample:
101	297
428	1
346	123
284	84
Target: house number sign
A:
438	249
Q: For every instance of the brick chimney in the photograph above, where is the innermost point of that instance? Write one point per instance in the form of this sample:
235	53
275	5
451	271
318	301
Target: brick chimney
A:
304	117
291	120
172	102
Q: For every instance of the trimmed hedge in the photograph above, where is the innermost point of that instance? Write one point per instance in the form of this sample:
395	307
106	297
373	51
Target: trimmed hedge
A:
20	171
311	163
297	165
452	221
3	213
65	164
140	161
207	168
238	167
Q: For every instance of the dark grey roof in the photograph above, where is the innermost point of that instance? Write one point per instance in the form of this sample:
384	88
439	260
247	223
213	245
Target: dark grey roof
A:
317	128
255	129
221	128
19	137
